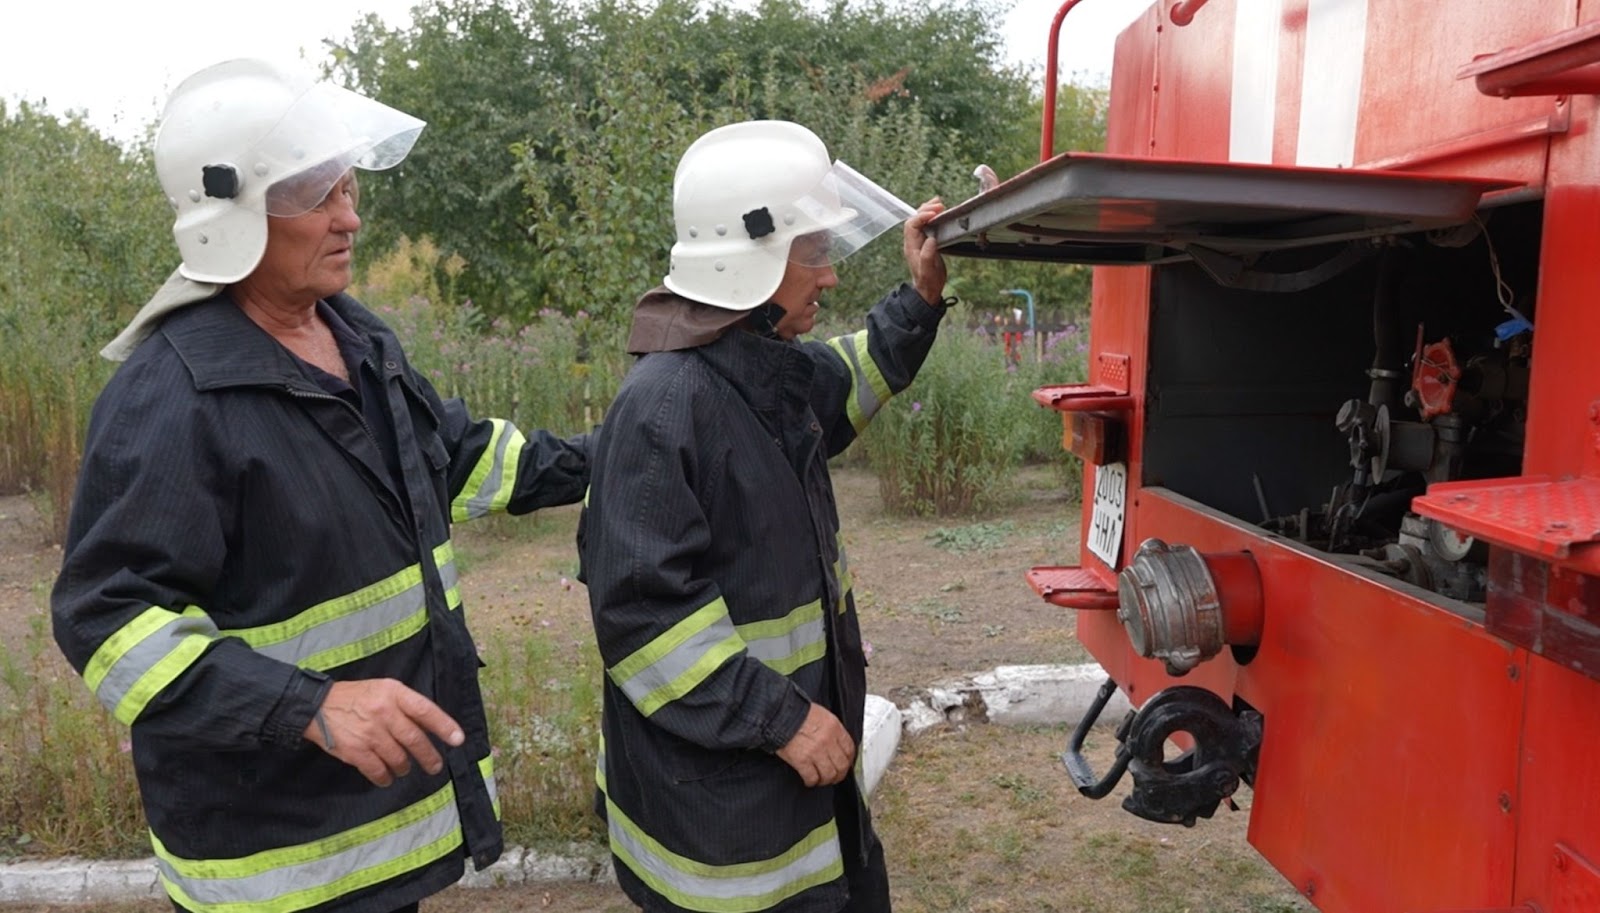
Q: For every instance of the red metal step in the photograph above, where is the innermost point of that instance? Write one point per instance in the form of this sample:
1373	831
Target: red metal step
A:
1557	520
1075	587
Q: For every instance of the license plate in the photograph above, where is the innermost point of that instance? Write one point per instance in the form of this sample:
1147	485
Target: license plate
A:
1110	500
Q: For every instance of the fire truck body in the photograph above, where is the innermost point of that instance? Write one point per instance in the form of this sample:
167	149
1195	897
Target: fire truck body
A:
1344	372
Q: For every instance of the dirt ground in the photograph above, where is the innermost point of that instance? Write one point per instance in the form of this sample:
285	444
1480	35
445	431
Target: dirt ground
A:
974	820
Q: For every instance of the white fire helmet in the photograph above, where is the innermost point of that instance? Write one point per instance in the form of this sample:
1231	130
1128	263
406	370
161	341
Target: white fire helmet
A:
744	192
245	139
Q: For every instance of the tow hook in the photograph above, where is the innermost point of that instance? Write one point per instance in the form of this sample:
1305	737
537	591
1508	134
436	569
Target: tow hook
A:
1187	787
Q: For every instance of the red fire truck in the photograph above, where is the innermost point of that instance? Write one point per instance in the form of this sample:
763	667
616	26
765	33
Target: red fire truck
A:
1342	434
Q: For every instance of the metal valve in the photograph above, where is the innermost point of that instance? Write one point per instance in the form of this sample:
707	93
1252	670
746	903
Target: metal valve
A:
1182	607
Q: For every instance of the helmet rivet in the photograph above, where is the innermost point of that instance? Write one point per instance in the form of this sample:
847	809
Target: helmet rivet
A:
194	196
720	266
788	218
261	169
694	232
173	202
722	230
204	240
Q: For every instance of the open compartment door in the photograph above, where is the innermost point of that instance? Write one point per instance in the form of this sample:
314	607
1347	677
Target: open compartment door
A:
1117	210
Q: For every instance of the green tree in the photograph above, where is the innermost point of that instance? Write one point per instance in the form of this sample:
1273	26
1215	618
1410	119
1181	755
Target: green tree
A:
571	88
1061	292
84	240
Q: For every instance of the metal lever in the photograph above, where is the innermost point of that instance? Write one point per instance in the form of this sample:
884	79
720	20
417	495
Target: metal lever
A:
1078	766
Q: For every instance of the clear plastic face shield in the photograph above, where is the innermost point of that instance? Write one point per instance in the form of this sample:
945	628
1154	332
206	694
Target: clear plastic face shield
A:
841	215
327	132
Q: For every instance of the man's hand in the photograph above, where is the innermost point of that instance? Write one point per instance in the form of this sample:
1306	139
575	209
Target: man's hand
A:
379	725
922	255
821	752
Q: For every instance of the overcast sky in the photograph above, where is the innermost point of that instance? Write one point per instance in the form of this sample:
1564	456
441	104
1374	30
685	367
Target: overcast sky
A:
117	61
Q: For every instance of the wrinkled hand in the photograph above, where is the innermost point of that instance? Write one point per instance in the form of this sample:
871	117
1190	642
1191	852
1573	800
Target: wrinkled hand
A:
379	725
821	752
922	254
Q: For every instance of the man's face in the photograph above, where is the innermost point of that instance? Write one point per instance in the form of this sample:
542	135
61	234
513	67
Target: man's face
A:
308	255
808	273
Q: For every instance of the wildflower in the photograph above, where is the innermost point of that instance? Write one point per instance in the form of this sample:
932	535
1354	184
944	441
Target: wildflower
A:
916	406
566	584
866	649
125	746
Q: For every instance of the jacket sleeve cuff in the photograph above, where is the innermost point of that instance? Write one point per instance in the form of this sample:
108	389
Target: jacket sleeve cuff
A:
918	312
301	699
787	721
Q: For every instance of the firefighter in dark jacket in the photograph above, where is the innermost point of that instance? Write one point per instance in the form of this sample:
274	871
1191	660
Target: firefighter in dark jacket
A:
258	575
735	676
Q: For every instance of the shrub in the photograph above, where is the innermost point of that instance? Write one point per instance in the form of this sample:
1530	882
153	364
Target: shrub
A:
949	443
554	373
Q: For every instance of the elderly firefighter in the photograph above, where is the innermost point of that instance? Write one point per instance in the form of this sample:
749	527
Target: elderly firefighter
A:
258	576
735	676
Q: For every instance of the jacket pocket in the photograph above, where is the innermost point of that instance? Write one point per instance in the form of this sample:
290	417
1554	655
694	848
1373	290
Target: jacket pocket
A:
433	448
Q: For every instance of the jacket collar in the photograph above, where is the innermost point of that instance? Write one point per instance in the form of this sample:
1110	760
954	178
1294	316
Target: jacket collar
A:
666	322
765	372
222	347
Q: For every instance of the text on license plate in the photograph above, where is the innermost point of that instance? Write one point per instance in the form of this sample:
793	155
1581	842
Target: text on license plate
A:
1110	500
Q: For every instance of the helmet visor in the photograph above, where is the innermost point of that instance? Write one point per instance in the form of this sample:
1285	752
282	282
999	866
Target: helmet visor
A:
849	210
327	131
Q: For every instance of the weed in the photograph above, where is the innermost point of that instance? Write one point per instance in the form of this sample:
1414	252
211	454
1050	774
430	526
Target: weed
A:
939	610
68	788
978	537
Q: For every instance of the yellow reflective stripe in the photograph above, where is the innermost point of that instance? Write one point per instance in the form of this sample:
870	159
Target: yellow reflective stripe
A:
293	878
742	887
143	657
486	768
788	643
332	610
444	557
678	660
691	677
346	628
493	478
868	388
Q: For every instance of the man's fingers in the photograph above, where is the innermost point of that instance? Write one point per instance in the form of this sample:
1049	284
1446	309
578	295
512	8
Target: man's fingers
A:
431	717
417	745
374	769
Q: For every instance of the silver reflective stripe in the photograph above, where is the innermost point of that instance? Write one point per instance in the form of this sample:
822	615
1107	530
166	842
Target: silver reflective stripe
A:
444	557
296	877
739	888
125	676
486	767
330	636
489	486
868	389
671	666
785	644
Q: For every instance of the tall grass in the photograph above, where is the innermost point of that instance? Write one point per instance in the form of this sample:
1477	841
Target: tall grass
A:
949	444
544	713
67	785
48	381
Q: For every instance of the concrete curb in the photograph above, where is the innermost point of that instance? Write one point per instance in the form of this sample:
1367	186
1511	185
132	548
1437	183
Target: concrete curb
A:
1015	695
1010	694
